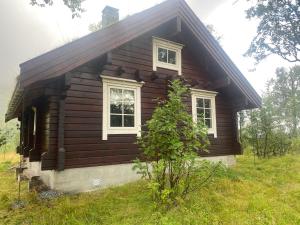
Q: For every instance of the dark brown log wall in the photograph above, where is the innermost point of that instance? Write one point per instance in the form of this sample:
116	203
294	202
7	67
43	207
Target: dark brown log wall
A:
49	136
83	109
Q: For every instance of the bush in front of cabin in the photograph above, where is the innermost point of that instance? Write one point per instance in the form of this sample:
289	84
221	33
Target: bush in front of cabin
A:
170	144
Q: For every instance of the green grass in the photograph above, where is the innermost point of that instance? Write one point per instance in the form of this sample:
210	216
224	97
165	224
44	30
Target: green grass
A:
267	193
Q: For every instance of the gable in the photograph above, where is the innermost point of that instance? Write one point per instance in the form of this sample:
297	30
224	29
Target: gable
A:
72	55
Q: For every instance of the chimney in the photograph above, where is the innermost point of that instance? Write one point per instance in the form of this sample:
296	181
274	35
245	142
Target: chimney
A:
110	16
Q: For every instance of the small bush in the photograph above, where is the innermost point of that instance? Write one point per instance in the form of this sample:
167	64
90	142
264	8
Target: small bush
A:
170	145
295	145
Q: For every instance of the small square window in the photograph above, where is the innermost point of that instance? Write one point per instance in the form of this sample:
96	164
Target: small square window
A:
166	54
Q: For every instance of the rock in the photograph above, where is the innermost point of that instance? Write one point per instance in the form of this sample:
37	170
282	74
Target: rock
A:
18	205
36	184
50	194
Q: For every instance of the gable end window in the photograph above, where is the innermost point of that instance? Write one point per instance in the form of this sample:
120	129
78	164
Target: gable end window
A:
166	54
121	106
204	108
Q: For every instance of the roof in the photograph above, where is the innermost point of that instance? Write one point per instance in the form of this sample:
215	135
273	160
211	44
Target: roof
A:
68	57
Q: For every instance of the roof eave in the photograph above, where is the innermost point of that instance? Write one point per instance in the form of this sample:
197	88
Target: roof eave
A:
14	102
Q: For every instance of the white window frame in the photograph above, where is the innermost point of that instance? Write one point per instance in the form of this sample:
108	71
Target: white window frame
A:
169	45
211	95
120	83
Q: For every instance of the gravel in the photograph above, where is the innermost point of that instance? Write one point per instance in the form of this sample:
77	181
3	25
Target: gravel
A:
50	194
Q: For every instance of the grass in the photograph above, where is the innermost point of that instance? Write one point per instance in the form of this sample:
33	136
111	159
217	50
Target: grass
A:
267	193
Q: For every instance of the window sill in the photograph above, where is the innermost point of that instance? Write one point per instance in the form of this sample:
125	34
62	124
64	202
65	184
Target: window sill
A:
123	131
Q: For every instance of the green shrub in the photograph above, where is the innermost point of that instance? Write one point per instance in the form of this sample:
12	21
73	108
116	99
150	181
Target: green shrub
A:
170	145
295	145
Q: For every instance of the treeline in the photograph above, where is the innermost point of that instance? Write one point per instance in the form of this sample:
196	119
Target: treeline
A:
9	136
273	129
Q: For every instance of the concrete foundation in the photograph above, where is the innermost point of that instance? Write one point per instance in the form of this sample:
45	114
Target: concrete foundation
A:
33	168
98	177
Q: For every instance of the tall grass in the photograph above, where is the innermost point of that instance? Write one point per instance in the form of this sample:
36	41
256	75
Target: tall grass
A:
266	193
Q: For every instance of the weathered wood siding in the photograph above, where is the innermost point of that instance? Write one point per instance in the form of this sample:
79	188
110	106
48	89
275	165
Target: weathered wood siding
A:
83	109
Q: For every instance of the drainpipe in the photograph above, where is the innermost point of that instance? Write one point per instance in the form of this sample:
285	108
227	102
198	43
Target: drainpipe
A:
61	136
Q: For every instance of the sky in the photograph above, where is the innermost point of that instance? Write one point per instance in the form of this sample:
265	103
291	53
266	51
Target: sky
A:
28	31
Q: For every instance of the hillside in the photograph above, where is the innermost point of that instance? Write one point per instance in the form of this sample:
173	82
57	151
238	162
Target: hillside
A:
268	193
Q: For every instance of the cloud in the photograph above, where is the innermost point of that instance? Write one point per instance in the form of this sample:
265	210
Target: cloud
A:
204	8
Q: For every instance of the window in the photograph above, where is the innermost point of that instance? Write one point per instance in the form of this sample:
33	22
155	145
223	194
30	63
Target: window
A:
121	106
204	108
166	54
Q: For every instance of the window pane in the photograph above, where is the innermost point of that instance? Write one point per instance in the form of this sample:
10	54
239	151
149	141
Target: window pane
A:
128	108
171	57
207	103
115	95
207	113
162	55
116	107
200	119
200	112
208	123
128	96
200	102
128	121
115	120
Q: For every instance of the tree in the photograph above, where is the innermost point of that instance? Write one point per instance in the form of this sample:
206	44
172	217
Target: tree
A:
274	128
213	32
4	136
264	134
278	31
286	97
93	27
9	136
170	145
74	5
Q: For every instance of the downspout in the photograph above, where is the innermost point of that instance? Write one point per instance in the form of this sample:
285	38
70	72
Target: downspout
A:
61	136
22	129
61	124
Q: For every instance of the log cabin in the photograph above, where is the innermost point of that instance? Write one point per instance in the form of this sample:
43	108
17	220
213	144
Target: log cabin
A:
81	106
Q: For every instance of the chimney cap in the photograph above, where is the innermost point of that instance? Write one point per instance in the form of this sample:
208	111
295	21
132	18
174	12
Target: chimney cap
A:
109	9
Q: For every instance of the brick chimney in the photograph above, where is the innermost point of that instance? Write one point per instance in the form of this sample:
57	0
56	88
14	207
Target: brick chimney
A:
110	16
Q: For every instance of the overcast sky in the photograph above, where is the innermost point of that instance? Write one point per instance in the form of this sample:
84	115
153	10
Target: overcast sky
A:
29	31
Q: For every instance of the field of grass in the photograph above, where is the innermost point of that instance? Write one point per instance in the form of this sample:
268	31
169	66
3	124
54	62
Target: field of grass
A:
267	193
